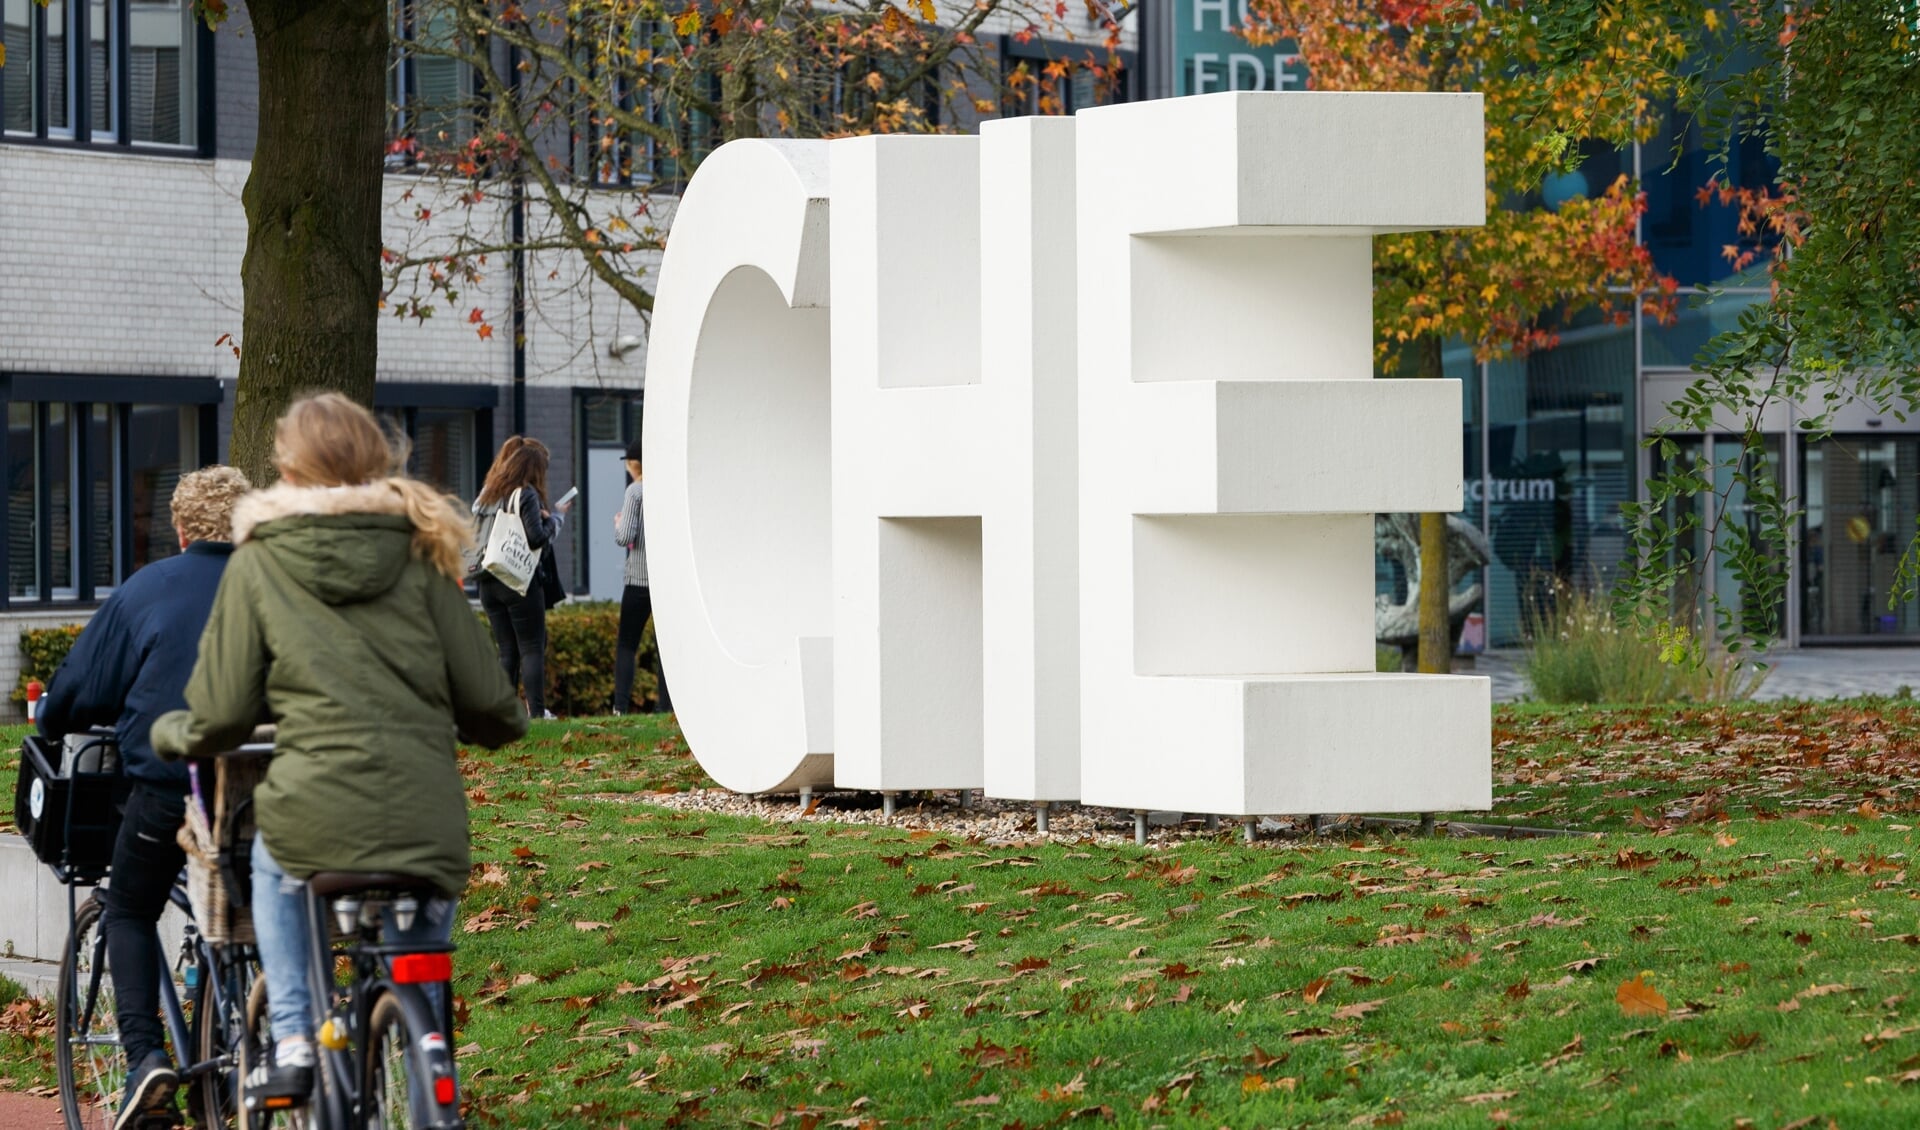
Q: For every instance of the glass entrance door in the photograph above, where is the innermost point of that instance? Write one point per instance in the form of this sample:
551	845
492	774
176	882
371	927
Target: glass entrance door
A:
1862	498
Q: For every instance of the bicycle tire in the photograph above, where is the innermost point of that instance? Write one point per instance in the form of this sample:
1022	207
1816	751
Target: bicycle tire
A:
409	1080
221	1031
91	1084
256	1036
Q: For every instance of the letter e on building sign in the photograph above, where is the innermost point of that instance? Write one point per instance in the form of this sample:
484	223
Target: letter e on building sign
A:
1069	494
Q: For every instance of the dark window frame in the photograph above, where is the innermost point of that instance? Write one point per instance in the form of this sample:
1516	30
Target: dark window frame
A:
1039	52
406	151
81	128
79	394
407	398
632	410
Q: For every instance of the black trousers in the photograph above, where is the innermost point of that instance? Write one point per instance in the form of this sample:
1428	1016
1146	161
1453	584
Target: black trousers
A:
636	605
146	860
520	632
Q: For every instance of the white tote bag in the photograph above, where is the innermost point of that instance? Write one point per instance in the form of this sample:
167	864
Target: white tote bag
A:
508	556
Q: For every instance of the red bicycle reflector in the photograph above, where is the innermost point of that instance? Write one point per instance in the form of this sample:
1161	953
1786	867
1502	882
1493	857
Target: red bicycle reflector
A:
443	1090
278	1102
415	968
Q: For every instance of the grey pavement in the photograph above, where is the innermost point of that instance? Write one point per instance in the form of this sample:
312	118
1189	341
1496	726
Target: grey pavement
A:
38	978
1807	673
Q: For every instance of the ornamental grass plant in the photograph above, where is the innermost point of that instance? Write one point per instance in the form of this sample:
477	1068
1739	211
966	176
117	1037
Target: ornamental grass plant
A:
1580	653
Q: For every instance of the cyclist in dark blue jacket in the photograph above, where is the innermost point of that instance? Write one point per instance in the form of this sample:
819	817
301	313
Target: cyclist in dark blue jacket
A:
129	666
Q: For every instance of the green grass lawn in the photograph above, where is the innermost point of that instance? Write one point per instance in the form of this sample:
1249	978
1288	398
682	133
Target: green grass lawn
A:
1737	949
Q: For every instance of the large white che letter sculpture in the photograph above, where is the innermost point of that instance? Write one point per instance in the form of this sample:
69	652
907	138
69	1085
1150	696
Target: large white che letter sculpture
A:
1234	447
739	497
899	590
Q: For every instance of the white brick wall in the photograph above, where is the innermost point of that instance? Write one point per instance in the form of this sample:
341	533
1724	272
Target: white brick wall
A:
121	264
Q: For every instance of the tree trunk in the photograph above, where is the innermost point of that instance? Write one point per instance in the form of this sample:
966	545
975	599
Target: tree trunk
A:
1436	579
311	276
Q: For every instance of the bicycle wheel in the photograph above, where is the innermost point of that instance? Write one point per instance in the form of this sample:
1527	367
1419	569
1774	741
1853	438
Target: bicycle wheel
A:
409	1080
256	1036
220	1017
92	1071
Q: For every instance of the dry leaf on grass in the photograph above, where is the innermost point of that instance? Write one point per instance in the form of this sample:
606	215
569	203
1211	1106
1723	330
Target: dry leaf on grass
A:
1637	998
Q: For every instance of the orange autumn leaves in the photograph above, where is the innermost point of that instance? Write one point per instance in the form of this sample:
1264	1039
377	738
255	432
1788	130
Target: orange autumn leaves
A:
1637	998
1498	287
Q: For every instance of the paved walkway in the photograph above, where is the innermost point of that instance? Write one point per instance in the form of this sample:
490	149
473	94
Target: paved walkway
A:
1812	672
25	1112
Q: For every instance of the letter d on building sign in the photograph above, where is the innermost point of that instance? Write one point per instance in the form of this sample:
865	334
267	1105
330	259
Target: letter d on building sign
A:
1218	653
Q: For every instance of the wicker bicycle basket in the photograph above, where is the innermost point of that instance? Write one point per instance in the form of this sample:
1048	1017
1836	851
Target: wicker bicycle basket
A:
219	867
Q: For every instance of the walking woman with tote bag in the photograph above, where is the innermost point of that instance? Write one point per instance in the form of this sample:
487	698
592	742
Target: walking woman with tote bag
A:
517	487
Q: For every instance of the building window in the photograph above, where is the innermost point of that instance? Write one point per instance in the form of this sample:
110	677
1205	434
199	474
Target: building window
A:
448	428
109	72
430	93
1058	79
161	75
90	484
443	447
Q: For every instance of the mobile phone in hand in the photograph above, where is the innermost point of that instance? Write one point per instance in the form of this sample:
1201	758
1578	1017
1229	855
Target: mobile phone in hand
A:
567	499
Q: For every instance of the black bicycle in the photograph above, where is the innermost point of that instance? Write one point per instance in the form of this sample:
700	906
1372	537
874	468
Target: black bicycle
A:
67	804
203	993
385	1058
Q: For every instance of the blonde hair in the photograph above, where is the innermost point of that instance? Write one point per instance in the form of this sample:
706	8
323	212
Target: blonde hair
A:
202	503
327	440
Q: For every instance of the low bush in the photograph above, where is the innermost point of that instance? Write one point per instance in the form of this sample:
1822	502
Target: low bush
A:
1580	654
42	650
581	640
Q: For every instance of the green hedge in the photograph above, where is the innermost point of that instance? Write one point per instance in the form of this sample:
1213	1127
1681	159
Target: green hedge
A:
41	652
581	639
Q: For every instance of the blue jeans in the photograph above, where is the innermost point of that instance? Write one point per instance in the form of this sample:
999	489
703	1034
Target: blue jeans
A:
281	926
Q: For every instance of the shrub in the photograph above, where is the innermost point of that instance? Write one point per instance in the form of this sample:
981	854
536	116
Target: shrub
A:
581	640
42	650
1580	654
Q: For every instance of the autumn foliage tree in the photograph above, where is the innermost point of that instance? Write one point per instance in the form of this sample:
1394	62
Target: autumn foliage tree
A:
1499	288
600	110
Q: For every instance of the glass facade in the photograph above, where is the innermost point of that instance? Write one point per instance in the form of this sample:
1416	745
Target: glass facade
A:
1553	440
1560	453
1861	501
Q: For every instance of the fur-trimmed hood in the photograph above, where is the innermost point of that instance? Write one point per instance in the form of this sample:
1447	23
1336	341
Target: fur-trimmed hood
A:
431	525
284	500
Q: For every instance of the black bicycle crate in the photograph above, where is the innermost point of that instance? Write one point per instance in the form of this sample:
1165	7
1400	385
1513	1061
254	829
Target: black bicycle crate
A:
70	820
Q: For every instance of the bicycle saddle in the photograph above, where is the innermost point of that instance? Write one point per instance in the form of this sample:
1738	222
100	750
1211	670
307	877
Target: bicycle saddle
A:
333	884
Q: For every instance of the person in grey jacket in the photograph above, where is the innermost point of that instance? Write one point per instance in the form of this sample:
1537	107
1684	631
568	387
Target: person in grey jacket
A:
636	599
520	620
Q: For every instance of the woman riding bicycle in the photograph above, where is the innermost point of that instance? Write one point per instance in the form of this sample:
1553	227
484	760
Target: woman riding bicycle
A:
341	619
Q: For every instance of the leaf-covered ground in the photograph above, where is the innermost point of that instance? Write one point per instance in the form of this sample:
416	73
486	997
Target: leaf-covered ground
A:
1736	949
1739	945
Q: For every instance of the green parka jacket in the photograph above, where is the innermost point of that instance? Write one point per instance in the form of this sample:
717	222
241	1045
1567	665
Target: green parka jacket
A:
332	622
